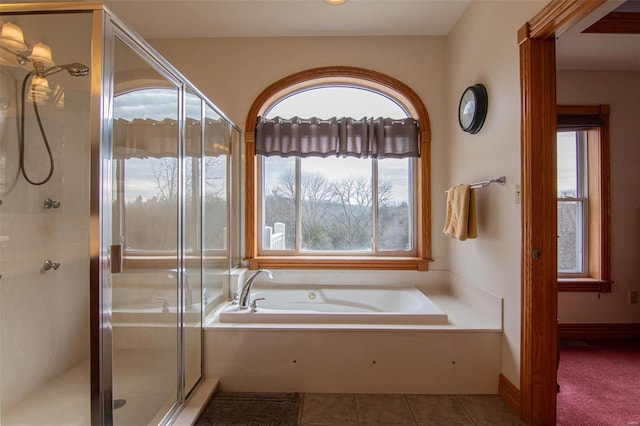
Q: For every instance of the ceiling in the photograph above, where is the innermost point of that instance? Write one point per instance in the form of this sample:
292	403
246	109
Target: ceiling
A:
593	51
303	18
287	18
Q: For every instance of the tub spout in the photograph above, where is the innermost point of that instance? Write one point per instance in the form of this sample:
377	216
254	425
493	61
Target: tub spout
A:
244	297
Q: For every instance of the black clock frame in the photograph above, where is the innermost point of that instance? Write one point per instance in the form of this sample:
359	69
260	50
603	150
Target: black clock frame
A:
480	113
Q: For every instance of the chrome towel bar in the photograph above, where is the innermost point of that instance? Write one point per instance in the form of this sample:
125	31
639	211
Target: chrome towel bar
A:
501	180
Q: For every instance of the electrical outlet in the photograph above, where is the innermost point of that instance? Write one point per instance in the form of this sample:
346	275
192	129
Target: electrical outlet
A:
633	297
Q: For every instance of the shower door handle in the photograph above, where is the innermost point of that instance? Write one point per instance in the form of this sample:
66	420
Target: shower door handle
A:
116	258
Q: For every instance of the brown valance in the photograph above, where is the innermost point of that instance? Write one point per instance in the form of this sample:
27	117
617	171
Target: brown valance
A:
577	122
144	138
346	136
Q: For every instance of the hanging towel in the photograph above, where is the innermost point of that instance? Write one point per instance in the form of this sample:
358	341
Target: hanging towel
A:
460	220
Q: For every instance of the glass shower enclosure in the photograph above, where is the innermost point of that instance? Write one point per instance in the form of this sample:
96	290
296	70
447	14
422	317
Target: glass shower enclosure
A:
116	237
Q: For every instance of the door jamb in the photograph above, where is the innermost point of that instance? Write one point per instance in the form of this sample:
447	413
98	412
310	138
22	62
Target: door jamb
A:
539	342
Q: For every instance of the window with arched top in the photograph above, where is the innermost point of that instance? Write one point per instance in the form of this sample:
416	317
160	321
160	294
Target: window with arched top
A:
337	173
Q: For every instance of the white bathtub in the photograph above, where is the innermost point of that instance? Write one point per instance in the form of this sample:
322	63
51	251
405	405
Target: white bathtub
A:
348	304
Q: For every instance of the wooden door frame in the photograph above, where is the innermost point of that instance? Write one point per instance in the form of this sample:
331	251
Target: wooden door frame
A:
539	334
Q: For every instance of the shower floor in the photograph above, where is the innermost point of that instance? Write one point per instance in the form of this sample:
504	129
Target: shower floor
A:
65	399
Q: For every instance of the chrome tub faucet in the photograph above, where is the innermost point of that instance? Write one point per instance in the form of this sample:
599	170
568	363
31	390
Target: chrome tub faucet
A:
243	295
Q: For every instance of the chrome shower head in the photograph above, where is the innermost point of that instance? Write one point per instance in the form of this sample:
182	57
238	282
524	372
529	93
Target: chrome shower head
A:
75	69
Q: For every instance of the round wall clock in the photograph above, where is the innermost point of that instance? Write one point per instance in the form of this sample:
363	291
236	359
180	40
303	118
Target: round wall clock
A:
472	109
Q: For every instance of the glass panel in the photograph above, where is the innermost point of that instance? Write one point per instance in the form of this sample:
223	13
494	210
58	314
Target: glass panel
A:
145	294
336	208
193	243
44	310
217	134
570	234
394	205
567	164
279	210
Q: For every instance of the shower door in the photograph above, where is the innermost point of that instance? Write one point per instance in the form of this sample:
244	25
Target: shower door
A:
145	248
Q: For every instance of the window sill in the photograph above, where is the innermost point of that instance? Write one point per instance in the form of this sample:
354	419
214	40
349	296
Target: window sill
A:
584	285
353	263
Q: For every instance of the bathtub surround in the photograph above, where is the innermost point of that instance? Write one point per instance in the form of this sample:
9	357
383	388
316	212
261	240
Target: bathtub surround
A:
364	358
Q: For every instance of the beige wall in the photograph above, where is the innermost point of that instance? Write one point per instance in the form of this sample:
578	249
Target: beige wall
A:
233	71
483	48
620	90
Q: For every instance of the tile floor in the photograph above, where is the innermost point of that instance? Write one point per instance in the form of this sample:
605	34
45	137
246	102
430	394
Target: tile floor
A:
380	409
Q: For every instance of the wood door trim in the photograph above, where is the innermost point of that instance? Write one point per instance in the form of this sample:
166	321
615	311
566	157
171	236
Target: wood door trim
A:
539	343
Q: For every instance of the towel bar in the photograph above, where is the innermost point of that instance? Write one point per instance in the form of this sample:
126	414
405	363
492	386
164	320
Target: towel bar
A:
501	180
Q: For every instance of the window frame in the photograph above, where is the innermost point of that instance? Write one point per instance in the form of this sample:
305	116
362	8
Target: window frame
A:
598	274
582	197
357	77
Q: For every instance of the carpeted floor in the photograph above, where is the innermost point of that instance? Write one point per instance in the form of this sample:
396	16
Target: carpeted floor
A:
599	383
245	409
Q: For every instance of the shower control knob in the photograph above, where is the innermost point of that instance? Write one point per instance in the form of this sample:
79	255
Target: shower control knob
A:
48	264
49	203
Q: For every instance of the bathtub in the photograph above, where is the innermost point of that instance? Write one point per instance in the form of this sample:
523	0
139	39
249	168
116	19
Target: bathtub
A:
337	304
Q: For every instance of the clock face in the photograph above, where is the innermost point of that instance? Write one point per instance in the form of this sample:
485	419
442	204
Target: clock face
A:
467	109
473	108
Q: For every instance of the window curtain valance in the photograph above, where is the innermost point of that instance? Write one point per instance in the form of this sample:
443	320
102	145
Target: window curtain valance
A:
144	138
350	137
577	122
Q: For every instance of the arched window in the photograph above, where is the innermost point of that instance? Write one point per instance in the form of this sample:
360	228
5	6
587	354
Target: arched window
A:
341	178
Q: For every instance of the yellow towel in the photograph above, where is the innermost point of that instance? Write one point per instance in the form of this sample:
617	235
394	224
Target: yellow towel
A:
460	220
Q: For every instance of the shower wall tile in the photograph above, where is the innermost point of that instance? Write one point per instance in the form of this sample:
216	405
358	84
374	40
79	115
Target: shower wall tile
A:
44	315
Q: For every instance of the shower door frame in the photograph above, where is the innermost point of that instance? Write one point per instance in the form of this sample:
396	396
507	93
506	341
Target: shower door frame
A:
110	28
115	28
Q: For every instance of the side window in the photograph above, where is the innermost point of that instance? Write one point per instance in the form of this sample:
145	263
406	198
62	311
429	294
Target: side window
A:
583	198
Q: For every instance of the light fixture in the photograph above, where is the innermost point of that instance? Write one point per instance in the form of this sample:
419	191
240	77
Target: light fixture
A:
12	38
39	89
41	53
12	45
335	2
